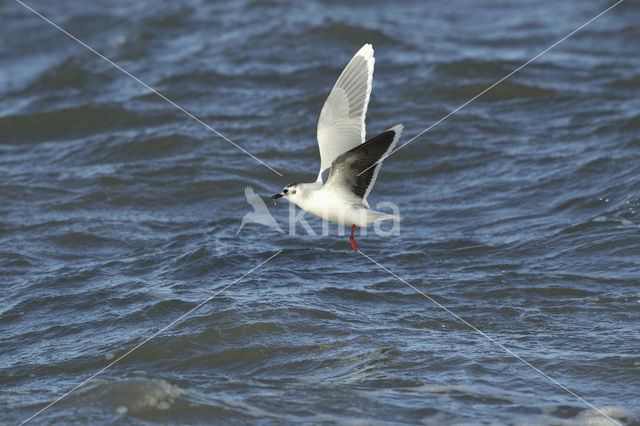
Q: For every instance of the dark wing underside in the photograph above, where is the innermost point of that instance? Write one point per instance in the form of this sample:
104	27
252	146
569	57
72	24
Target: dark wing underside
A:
347	169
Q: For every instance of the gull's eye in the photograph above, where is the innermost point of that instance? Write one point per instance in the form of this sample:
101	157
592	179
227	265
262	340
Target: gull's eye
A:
285	190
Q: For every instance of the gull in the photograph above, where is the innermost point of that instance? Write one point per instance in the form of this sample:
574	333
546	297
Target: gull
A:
349	165
260	213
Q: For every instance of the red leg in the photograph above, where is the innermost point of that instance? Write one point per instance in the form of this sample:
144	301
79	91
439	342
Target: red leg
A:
354	244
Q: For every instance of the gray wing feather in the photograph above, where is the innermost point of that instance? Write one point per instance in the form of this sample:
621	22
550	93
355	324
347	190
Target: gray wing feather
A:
355	171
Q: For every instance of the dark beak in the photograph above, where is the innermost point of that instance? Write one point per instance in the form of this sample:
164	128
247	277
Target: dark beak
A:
275	197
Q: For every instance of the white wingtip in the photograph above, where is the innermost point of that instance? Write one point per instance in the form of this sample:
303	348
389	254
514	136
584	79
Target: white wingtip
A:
398	128
366	51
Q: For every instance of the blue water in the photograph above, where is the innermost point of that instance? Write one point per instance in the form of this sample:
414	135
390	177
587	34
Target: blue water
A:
119	213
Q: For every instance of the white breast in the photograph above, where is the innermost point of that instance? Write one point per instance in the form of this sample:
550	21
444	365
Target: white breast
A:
332	207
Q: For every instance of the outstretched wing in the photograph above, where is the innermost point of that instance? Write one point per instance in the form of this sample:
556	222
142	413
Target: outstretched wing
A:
354	172
341	125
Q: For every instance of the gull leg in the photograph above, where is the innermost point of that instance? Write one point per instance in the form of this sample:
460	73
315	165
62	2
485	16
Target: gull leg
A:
354	244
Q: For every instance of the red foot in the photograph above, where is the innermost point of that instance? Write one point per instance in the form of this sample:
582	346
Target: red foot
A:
354	244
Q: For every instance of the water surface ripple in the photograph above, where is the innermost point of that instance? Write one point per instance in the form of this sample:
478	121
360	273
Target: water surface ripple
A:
118	213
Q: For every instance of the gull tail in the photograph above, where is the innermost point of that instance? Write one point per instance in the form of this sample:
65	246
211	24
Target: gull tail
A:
376	216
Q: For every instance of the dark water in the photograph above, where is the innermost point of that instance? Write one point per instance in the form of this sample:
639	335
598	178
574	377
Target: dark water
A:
118	214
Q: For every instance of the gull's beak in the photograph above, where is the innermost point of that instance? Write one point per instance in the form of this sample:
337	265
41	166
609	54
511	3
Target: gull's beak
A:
275	197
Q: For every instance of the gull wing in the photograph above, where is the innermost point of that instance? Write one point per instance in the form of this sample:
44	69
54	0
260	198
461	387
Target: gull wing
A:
341	125
354	172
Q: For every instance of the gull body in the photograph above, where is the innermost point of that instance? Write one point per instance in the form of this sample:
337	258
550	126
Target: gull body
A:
349	165
331	206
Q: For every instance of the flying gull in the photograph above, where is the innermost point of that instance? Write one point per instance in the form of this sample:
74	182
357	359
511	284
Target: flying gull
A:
347	171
